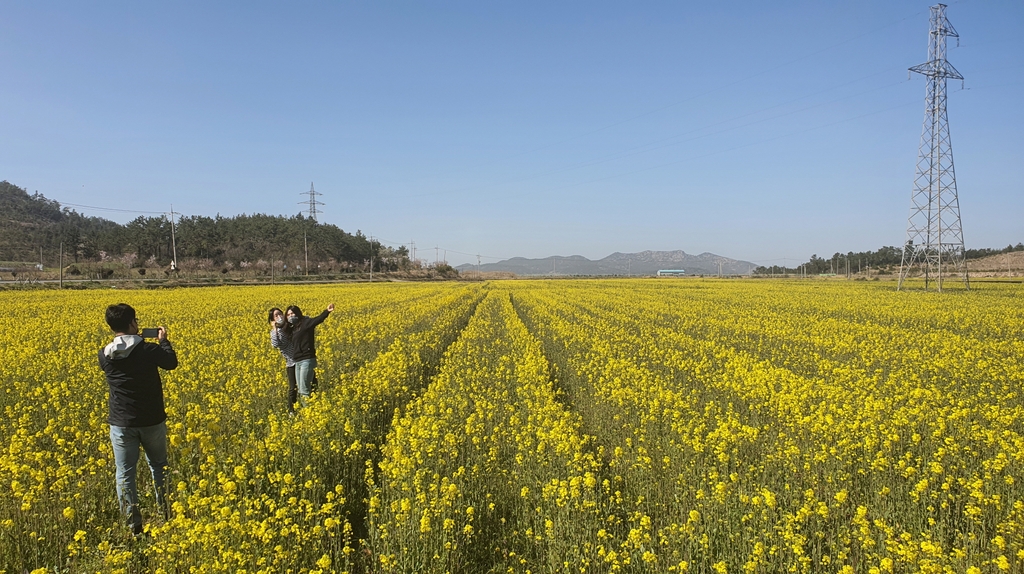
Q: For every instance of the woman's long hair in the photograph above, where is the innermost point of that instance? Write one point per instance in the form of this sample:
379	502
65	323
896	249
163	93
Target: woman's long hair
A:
298	313
270	314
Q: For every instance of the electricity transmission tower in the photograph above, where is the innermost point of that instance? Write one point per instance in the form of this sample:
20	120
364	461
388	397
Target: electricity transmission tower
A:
311	202
934	235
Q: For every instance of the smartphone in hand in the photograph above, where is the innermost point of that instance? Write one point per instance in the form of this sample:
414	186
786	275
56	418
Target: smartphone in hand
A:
150	333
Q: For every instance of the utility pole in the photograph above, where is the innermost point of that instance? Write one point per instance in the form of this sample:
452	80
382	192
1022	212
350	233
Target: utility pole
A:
371	258
934	232
436	251
174	246
305	248
413	244
60	264
478	263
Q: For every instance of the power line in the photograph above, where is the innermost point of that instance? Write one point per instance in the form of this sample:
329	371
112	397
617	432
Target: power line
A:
691	98
439	247
111	209
379	240
776	259
475	254
734	148
651	146
721	87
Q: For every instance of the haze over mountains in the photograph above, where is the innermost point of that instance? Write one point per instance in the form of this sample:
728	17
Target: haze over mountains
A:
643	263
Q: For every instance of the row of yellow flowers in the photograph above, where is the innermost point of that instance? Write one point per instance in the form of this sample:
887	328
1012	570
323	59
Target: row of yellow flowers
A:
487	471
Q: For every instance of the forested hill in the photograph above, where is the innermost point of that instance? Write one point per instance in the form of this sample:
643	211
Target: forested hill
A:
28	222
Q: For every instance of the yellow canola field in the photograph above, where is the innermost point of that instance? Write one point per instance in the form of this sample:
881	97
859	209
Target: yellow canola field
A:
250	487
801	427
548	426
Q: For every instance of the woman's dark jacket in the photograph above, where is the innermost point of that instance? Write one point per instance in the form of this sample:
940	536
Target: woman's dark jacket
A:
304	337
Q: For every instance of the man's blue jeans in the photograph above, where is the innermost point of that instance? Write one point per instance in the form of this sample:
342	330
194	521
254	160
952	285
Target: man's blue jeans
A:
126	442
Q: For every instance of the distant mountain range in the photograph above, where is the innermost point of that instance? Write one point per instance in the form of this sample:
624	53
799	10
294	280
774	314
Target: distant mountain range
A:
643	263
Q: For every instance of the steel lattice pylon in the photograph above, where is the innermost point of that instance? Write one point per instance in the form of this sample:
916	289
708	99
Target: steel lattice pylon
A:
934	235
312	202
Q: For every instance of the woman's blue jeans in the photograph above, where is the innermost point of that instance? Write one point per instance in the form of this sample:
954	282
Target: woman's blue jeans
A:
304	376
126	442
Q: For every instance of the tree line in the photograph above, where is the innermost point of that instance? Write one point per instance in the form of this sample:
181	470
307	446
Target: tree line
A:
259	243
255	242
884	260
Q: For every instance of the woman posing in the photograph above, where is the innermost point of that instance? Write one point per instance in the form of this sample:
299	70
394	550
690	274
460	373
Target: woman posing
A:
303	337
281	339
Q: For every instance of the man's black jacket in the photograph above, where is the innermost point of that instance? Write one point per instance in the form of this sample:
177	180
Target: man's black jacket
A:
136	393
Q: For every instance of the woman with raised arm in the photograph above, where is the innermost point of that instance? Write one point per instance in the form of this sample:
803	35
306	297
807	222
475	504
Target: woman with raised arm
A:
303	335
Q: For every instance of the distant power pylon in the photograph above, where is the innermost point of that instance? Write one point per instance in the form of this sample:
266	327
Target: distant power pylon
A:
311	211
934	234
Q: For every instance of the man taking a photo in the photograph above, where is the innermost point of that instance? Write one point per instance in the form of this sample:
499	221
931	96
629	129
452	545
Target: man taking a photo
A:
136	406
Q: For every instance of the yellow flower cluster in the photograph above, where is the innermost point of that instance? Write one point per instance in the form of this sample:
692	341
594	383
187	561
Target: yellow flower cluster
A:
487	467
526	426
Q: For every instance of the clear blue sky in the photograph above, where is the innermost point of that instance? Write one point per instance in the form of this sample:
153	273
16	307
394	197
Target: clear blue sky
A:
754	130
